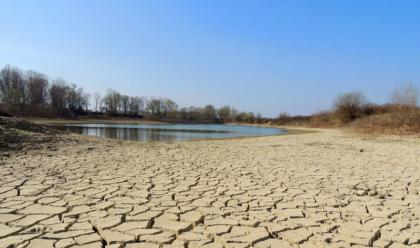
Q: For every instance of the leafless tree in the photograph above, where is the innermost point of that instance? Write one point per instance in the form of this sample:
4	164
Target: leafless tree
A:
406	95
183	114
154	107
58	95
12	86
125	104
196	114
6	85
75	99
135	105
258	118
37	88
210	113
225	113
169	108
85	101
112	101
97	101
142	102
234	113
247	117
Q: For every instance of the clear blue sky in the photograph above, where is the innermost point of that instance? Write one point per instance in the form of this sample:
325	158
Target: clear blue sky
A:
262	56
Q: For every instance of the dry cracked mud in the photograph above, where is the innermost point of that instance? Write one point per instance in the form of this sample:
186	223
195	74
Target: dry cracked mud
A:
325	189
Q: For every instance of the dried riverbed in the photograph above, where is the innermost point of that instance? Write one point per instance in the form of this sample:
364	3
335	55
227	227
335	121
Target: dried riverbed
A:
323	189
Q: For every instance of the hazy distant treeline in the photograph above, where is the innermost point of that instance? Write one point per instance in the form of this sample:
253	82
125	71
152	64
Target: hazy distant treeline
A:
30	93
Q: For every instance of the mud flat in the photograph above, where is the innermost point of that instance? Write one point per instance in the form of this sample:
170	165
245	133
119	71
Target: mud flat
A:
323	189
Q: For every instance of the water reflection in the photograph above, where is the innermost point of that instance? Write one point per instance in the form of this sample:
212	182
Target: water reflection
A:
164	132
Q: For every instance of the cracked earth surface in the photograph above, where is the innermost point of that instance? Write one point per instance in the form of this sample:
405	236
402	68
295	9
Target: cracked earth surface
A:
325	189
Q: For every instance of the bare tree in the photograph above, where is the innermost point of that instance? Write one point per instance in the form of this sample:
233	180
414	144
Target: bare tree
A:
97	101
405	95
6	85
233	113
85	101
102	105
210	113
37	88
169	108
125	104
196	114
75	99
142	102
183	114
112	101
258	118
155	107
12	86
247	117
58	95
135	105
225	113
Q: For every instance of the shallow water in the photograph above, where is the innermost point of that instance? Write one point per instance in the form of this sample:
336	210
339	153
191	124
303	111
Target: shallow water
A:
168	132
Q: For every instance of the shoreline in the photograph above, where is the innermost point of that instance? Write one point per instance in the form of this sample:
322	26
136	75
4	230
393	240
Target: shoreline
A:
47	121
288	130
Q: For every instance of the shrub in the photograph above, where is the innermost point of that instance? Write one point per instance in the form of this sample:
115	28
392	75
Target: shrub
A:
4	112
286	119
395	122
349	106
374	109
323	119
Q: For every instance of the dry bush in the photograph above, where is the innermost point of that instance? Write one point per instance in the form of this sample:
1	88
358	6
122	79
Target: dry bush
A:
40	111
34	110
349	106
395	122
4	111
324	119
401	116
286	119
375	109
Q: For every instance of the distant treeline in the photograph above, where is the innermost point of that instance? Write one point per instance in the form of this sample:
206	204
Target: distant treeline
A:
30	93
